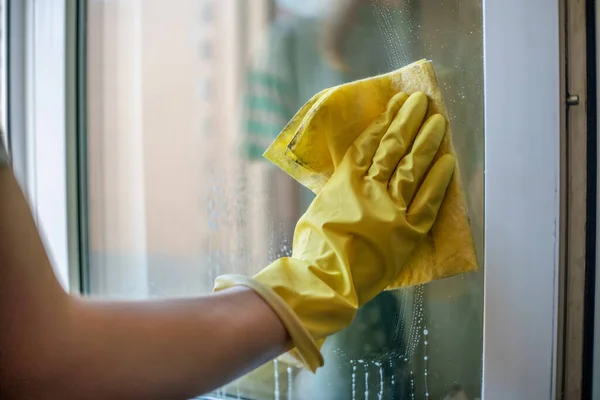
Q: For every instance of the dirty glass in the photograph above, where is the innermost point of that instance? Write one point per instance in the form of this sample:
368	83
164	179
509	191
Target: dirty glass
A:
183	98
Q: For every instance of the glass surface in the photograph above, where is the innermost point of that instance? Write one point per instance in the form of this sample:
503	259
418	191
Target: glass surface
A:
183	98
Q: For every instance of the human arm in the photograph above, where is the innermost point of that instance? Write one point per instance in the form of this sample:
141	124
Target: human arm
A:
348	247
58	346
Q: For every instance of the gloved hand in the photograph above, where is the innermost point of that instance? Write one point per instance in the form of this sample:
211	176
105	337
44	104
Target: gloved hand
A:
360	229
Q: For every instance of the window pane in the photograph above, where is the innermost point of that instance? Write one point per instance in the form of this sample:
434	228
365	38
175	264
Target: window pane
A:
183	98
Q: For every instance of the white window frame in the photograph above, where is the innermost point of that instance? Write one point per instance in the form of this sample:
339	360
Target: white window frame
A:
522	198
522	166
37	118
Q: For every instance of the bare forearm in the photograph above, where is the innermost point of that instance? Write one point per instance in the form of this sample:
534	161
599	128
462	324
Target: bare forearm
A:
56	346
174	349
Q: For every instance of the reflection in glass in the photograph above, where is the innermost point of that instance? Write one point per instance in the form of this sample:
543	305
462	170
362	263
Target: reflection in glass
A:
184	96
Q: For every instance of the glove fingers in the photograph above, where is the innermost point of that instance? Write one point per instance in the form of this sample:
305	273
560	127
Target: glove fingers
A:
424	208
413	167
363	149
399	137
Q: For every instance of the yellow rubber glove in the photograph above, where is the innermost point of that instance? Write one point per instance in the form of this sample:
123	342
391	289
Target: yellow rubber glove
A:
360	229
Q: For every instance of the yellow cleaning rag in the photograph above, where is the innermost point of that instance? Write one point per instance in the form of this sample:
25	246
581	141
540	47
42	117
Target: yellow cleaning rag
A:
314	142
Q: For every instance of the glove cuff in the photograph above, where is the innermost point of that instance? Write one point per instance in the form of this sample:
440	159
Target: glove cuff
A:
306	349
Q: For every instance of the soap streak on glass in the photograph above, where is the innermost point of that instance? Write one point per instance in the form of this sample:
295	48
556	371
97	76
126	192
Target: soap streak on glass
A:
380	394
290	386
425	362
392	376
353	363
416	321
412	386
276	378
362	362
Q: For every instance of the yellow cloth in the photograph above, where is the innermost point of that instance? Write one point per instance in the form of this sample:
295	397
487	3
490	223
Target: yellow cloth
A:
314	143
362	227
